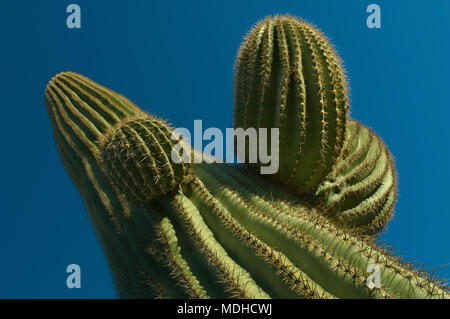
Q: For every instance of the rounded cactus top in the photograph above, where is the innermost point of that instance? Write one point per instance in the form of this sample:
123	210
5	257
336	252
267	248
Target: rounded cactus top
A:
361	190
137	158
288	76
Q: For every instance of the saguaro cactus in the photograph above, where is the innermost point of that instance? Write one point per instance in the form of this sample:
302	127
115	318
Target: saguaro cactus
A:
289	77
218	231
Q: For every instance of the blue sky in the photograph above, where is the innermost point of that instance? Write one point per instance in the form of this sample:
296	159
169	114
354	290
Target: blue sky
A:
176	59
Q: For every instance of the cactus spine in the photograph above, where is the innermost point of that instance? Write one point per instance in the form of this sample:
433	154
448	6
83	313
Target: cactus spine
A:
289	77
222	231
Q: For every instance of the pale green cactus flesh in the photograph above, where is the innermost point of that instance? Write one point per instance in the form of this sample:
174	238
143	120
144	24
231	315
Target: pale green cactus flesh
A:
214	230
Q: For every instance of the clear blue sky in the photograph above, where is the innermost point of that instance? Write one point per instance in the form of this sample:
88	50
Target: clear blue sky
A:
175	59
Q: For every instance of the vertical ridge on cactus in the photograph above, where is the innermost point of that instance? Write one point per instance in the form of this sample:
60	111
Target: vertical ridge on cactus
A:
222	231
289	77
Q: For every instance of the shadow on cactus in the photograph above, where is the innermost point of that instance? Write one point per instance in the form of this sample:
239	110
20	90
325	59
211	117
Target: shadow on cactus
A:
222	231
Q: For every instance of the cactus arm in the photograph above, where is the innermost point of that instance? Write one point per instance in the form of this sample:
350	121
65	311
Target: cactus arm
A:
361	190
289	77
107	206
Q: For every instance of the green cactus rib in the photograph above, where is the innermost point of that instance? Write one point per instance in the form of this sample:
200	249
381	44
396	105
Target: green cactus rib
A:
289	77
361	190
221	232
